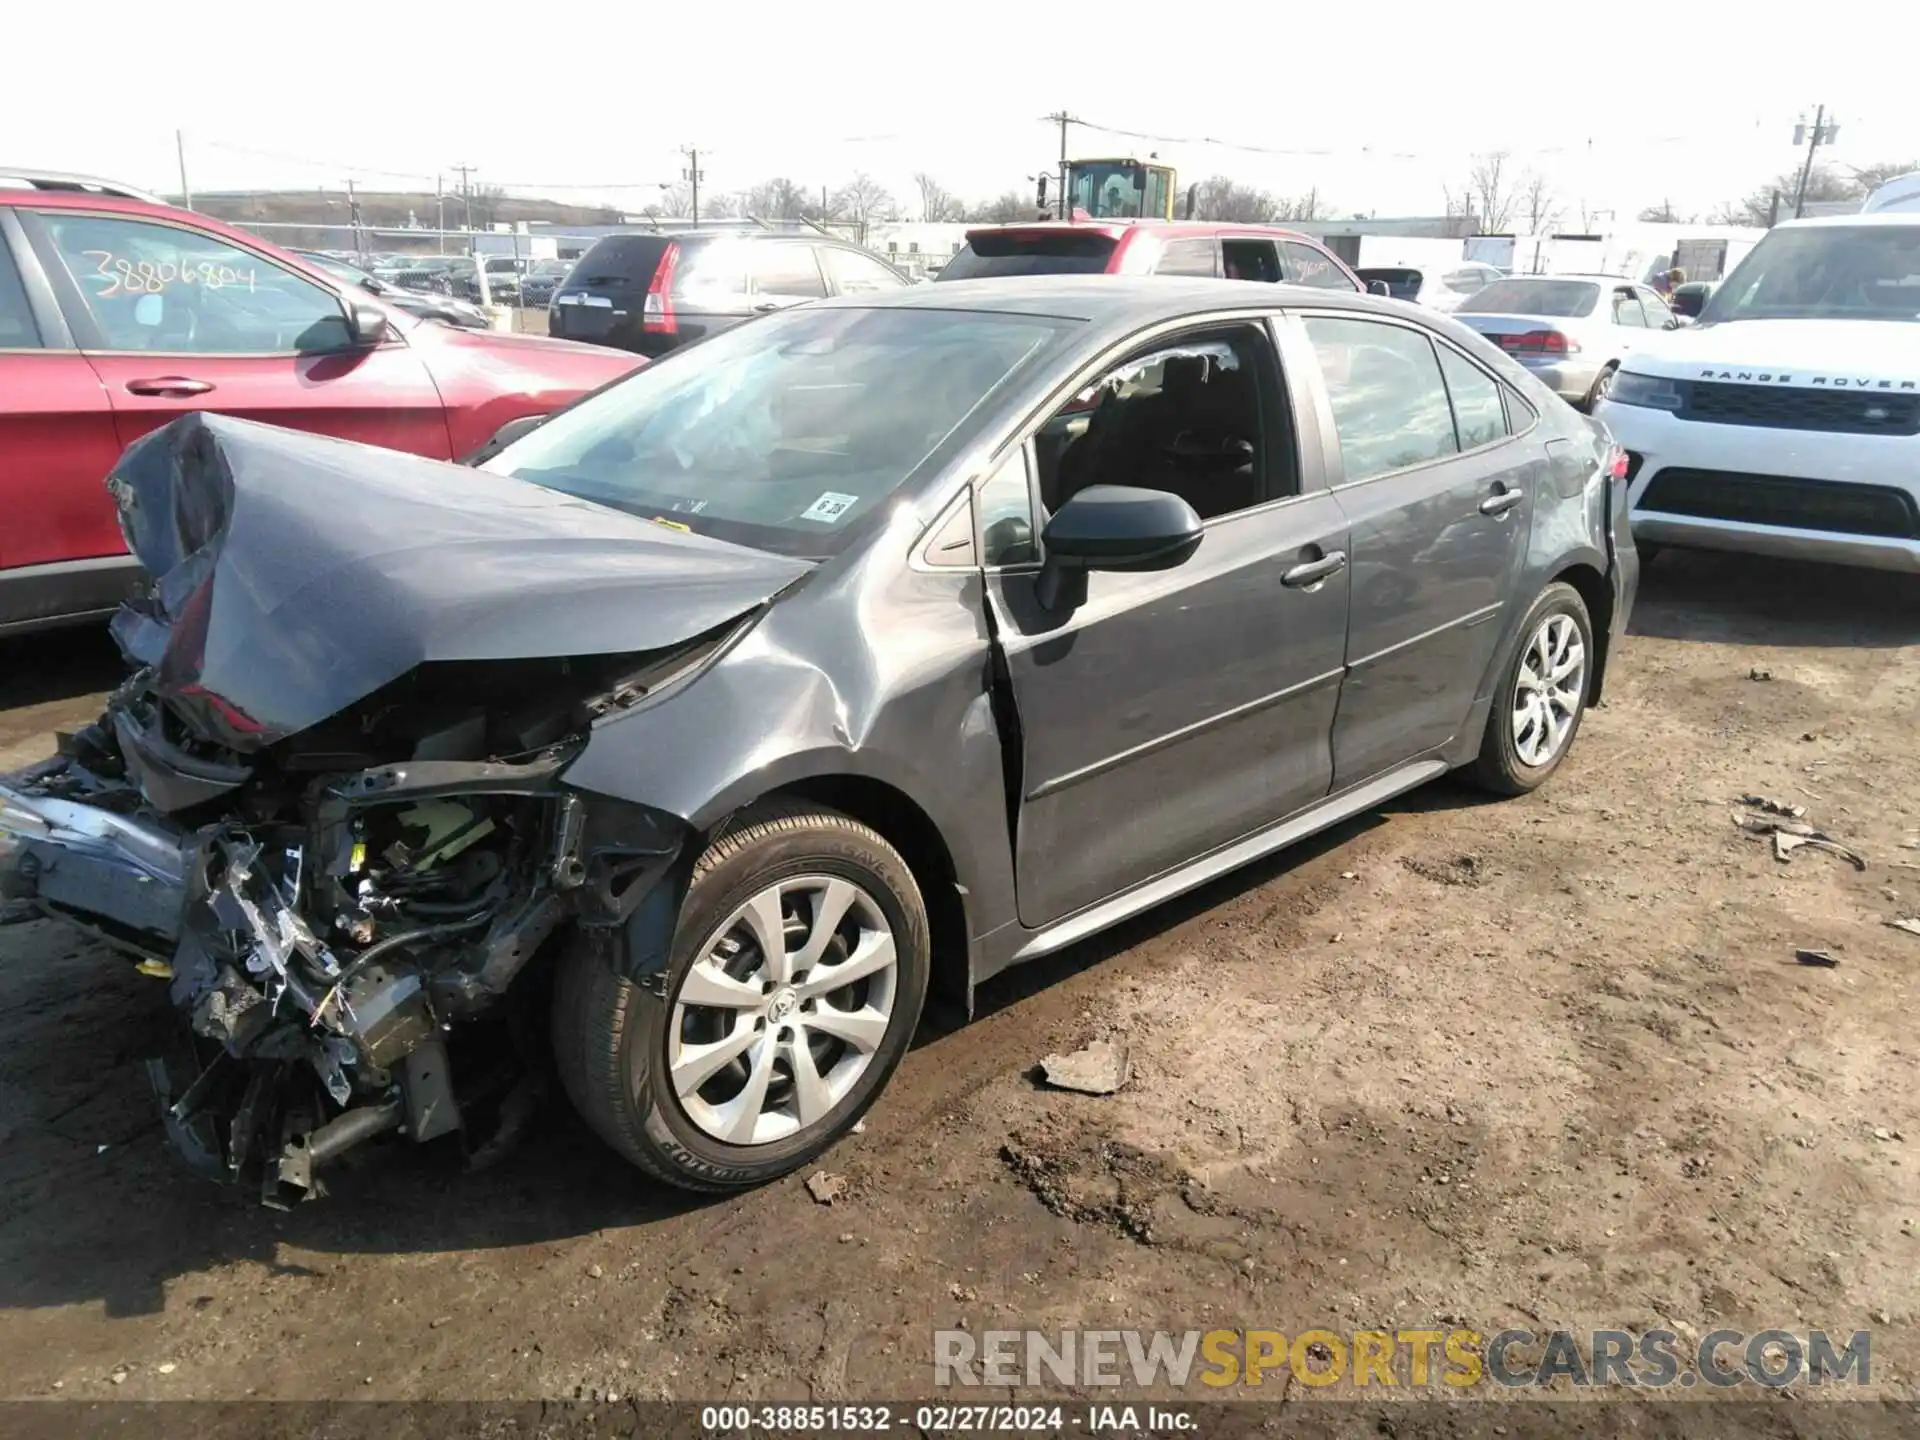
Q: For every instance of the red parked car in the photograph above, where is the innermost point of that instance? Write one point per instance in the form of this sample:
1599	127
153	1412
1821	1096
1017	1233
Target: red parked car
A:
1150	247
119	313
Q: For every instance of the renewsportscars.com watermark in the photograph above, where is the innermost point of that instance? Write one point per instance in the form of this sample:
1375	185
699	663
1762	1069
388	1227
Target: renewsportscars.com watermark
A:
1455	1358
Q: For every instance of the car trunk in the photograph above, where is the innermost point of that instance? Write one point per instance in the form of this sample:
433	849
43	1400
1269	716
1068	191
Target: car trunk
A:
603	299
1527	334
1038	251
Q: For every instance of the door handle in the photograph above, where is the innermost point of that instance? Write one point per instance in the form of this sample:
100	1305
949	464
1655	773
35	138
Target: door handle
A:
169	385
1500	502
1314	571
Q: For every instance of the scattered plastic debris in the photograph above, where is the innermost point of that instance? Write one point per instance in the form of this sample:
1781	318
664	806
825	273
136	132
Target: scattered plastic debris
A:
1791	835
1908	923
1820	959
1774	807
826	1187
1758	674
1097	1069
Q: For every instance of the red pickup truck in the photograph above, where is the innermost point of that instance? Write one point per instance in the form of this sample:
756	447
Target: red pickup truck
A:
119	313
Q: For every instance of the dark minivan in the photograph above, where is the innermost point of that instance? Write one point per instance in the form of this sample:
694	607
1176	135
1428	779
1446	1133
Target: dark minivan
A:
653	293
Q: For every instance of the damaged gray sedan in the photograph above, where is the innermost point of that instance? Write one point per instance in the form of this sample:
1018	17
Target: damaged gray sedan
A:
700	733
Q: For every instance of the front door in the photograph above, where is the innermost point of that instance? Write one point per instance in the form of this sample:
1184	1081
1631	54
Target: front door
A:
175	319
1439	500
1176	711
56	443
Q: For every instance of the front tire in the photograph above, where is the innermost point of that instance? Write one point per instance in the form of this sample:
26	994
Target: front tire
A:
793	987
1541	697
1602	387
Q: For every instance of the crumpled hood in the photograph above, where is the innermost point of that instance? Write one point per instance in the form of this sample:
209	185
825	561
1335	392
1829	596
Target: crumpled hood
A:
297	574
1858	353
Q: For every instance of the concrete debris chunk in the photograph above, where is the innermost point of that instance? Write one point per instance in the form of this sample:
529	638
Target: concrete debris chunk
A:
1097	1069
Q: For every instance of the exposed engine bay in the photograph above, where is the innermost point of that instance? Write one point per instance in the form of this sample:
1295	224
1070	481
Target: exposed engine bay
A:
323	929
328	808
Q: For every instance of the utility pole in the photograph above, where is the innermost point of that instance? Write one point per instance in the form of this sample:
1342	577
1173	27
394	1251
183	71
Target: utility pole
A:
353	216
692	174
440	211
180	149
466	192
1821	134
1063	203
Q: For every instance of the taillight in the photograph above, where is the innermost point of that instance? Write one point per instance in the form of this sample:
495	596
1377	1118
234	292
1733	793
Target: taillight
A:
656	315
1540	342
1618	467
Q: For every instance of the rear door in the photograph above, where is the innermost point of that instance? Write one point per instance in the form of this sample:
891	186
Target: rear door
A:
1439	499
1196	255
782	273
854	272
175	319
57	440
1307	265
1250	257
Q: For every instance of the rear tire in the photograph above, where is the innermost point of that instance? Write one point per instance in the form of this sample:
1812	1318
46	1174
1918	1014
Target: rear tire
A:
1541	697
1602	386
642	1065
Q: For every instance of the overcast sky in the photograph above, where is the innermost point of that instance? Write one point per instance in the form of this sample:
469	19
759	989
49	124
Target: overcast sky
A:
1387	101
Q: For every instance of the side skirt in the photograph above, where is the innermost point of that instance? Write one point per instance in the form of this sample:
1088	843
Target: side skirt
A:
1321	816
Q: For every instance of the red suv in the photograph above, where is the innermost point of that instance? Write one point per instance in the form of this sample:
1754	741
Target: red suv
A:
1150	247
118	313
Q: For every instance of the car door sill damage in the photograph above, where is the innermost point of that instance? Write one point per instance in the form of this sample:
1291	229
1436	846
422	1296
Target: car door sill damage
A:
1162	888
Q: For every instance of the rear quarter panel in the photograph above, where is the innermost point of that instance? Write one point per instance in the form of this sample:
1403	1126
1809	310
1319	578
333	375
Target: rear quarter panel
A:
486	378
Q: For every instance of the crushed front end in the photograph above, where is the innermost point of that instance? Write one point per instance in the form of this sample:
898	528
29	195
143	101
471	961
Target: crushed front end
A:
328	806
326	933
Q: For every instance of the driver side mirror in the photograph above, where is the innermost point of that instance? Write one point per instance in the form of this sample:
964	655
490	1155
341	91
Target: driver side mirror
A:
366	325
1379	287
1112	527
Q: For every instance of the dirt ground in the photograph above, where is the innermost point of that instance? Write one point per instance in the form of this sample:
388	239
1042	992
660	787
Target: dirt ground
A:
1546	1062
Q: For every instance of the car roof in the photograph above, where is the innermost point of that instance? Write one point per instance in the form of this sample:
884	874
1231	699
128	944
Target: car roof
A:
1877	217
1110	299
684	234
1587	275
1171	229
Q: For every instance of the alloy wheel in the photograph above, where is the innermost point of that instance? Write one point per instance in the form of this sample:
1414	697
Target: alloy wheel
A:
1548	690
782	1010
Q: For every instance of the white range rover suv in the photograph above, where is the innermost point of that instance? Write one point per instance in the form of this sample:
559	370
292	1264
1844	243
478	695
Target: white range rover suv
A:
1787	421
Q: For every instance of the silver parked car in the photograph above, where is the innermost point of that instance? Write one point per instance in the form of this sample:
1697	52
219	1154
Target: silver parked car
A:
1572	331
1436	287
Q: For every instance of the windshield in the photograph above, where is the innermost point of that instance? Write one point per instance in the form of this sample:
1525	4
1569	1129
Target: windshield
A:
1030	252
1107	189
1825	272
783	434
1560	298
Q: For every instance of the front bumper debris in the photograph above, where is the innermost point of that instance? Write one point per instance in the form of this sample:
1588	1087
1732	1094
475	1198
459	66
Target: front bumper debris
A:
324	969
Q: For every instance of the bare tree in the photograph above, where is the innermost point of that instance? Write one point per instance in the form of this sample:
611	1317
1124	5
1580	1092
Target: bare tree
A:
1484	197
1537	204
1299	207
776	199
1774	200
1870	178
1221	197
864	199
718	205
1661	214
937	203
1010	206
